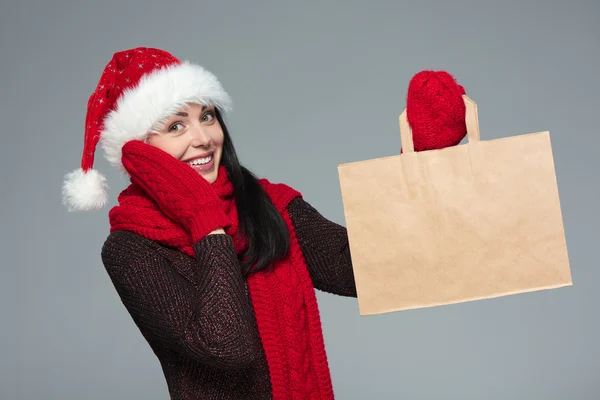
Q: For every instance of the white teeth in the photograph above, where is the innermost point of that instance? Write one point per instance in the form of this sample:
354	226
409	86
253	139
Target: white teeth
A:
201	161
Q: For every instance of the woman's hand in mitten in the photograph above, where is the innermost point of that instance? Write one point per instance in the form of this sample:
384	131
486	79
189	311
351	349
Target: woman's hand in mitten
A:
181	192
435	110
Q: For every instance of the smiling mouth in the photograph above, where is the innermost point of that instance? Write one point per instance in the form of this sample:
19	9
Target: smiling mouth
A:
200	161
203	164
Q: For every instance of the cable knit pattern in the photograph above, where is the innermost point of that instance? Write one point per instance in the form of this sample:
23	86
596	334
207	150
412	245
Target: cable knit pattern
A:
316	343
294	317
435	110
285	309
180	192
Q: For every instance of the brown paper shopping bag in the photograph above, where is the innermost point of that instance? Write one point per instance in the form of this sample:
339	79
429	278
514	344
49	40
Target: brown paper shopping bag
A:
472	221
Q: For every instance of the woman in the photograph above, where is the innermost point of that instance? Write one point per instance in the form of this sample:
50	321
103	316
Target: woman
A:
216	267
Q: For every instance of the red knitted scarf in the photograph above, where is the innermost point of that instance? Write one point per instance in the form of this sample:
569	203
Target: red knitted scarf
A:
283	299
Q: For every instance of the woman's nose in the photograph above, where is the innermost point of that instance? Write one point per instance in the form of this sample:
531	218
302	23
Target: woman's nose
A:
200	137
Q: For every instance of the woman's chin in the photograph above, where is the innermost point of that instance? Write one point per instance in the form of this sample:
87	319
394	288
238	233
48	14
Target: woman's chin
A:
210	176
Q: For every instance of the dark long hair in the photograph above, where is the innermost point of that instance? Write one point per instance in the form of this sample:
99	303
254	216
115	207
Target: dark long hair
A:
259	220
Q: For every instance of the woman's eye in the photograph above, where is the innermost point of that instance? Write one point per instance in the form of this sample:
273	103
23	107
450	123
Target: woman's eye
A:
173	128
208	117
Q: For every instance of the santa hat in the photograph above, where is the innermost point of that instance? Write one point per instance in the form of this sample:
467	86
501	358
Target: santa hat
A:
139	88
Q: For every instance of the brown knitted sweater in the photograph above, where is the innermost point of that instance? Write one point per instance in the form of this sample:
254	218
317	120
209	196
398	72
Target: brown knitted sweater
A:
196	314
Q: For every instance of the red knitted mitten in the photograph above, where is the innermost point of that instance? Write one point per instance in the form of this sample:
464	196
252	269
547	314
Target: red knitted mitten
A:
181	193
435	110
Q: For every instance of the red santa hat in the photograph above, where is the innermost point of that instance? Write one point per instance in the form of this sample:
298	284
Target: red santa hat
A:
138	89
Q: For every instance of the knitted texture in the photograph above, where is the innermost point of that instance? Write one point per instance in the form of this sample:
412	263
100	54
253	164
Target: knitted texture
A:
181	193
324	243
298	323
283	299
435	110
195	314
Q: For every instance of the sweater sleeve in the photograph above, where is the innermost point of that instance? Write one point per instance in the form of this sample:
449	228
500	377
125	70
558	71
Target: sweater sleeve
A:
202	312
325	247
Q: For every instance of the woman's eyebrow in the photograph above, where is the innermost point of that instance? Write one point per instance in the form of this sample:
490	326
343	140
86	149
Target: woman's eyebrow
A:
184	114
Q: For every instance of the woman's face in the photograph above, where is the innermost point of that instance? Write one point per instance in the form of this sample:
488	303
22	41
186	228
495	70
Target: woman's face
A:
194	136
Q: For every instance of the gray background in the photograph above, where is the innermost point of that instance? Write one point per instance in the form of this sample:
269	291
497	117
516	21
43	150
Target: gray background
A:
315	84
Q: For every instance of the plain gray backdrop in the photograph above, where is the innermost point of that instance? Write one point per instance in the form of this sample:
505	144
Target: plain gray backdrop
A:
315	84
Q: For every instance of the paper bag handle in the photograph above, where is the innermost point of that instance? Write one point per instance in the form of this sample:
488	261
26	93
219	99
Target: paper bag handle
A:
471	120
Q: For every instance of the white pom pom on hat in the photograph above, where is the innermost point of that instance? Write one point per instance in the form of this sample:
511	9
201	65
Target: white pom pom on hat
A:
138	88
84	190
